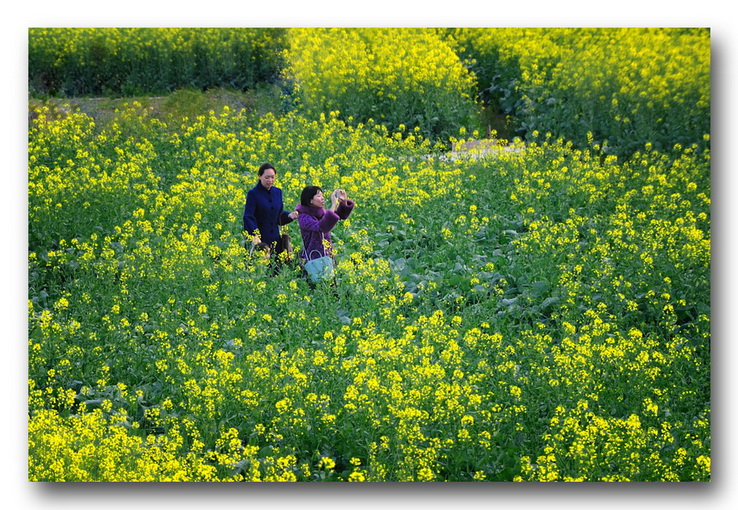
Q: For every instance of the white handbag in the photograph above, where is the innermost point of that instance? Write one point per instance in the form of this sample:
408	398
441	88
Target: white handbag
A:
319	268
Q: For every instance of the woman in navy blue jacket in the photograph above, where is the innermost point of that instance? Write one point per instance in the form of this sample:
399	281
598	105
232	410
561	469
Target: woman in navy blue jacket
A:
264	211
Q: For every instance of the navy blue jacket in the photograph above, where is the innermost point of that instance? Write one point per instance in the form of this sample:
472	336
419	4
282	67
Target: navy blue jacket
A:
264	210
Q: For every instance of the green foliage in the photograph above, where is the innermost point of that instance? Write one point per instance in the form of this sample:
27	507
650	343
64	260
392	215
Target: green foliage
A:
540	314
406	76
620	87
624	87
131	61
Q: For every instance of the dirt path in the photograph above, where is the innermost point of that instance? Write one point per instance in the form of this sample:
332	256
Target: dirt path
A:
477	149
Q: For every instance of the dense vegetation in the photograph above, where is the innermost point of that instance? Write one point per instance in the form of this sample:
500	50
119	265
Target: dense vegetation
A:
113	61
538	313
624	86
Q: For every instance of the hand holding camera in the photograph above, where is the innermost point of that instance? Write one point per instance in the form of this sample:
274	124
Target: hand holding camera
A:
337	197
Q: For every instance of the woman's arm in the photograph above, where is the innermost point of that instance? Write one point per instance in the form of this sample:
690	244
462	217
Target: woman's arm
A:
284	217
341	204
308	223
345	208
324	224
249	217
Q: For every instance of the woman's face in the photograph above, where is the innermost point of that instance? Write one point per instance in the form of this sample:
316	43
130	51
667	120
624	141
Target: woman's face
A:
268	177
318	200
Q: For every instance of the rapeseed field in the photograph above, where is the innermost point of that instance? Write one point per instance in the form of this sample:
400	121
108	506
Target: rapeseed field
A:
537	314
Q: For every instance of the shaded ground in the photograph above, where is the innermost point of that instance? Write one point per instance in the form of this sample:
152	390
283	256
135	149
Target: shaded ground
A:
191	103
173	107
487	147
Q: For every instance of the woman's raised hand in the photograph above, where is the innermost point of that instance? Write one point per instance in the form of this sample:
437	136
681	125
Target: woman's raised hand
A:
337	197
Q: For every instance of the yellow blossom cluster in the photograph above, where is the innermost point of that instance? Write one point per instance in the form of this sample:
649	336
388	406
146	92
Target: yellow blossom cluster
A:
400	77
541	314
626	86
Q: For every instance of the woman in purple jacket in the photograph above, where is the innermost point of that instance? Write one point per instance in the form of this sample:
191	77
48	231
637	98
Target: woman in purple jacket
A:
316	222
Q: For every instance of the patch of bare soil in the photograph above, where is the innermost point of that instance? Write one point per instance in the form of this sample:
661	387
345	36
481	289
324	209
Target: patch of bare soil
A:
488	147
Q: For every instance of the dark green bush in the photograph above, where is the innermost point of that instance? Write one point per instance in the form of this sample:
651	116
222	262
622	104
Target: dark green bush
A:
128	61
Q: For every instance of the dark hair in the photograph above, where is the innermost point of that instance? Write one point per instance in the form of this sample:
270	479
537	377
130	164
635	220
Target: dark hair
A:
265	167
308	193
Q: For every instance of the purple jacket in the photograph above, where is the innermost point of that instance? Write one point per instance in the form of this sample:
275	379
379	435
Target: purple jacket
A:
316	224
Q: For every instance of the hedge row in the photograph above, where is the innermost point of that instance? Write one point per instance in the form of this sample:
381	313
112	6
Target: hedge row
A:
129	61
623	87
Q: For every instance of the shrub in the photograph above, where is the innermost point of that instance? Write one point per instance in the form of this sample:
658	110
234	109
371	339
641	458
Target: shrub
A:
625	86
407	76
98	61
